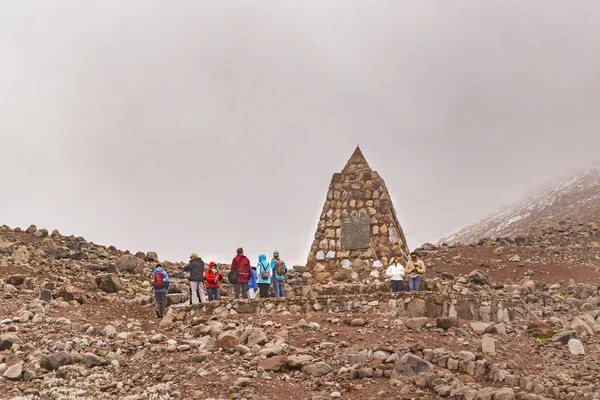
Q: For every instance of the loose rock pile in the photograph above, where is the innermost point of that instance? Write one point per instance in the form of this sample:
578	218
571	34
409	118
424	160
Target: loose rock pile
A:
78	323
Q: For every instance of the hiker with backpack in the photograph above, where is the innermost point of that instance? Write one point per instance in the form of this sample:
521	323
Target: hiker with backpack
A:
160	286
213	279
279	271
196	270
263	272
240	274
252	283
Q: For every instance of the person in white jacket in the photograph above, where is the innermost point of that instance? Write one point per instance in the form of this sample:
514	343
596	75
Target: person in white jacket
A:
396	274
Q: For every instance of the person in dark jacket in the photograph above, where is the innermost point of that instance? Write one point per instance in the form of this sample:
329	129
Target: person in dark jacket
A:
160	286
196	270
241	264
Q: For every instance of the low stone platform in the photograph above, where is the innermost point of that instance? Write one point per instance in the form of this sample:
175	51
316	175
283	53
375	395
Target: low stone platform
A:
356	289
421	304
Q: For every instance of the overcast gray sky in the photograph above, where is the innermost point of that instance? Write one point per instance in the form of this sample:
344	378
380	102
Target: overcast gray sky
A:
201	126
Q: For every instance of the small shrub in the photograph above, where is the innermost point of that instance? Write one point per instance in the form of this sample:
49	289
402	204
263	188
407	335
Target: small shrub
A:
544	336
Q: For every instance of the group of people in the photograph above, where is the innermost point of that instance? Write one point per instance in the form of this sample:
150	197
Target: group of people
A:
249	281
415	269
252	281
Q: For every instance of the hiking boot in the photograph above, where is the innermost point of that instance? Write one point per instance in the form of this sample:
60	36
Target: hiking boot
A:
158	314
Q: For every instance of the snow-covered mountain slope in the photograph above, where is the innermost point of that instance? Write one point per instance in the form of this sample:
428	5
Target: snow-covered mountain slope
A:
575	199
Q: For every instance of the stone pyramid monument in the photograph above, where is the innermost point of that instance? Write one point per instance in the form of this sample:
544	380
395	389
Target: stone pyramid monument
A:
358	232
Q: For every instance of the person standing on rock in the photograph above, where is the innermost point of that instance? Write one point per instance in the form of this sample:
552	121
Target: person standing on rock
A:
252	283
279	270
196	270
396	274
415	270
263	276
213	278
241	265
160	286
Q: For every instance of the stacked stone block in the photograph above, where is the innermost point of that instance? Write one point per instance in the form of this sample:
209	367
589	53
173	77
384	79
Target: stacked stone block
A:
357	190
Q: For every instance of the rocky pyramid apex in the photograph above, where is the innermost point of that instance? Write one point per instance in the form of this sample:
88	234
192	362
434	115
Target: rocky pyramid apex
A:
357	162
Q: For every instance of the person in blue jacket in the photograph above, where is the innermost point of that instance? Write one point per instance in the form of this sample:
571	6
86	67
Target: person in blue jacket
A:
279	270
160	285
252	284
263	274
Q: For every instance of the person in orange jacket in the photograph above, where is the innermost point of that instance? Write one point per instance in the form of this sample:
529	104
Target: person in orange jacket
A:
213	278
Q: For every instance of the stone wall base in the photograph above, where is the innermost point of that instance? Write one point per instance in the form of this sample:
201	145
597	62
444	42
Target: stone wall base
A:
421	304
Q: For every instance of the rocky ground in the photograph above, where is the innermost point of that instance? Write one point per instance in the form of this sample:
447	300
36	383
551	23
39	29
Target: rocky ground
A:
556	255
77	322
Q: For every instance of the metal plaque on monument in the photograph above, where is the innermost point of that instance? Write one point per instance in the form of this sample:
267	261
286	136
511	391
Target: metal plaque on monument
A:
356	231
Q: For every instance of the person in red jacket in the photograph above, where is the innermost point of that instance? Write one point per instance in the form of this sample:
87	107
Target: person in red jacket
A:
241	264
213	277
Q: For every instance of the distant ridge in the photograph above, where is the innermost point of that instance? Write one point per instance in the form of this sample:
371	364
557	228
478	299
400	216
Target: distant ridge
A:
574	198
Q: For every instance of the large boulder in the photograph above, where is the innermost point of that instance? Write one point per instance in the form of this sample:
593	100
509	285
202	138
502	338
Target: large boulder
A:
92	360
480	327
7	341
14	373
62	252
538	326
479	277
584	291
416	308
49	247
109	283
41	233
131	264
227	342
15	280
504	394
299	360
21	255
70	293
410	365
416	324
273	363
317	370
168	319
582	328
564	337
177	298
447	322
6	247
46	295
576	347
101	252
57	360
257	336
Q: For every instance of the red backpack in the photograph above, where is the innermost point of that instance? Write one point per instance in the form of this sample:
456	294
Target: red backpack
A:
159	280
